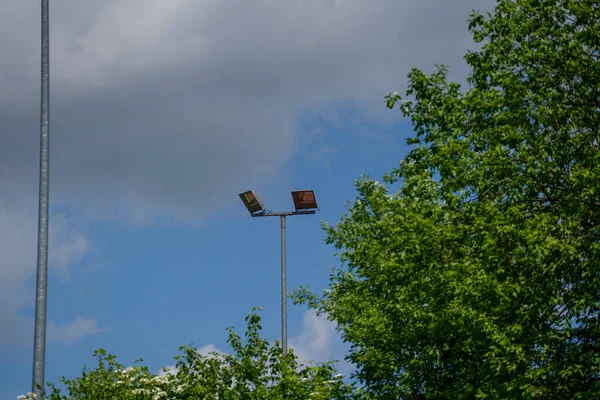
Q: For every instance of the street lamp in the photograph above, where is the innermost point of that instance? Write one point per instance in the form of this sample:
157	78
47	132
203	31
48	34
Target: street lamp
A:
304	204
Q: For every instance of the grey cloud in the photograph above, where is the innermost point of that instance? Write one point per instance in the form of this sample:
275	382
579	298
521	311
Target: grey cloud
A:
164	106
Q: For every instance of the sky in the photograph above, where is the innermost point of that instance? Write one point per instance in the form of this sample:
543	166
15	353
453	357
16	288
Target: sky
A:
161	113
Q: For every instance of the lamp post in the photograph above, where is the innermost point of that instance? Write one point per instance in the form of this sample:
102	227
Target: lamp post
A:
39	341
304	204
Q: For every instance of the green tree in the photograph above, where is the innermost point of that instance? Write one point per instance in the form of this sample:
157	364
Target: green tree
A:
480	276
255	369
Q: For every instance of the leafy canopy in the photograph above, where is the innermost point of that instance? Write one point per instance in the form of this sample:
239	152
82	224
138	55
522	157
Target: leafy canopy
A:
480	276
255	369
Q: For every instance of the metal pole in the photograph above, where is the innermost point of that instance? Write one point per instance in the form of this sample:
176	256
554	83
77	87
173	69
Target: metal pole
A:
39	346
283	216
283	290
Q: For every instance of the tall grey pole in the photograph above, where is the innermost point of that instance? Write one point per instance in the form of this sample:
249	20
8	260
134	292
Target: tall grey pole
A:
283	290
39	345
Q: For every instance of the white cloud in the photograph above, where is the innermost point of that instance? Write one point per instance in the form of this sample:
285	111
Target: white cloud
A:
209	349
206	350
167	370
71	332
18	238
68	245
17	330
318	341
18	247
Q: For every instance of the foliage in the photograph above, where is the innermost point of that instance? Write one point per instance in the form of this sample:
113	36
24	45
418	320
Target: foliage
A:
480	276
254	370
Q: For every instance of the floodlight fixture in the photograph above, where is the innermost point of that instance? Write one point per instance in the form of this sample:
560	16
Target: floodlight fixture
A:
304	200
252	202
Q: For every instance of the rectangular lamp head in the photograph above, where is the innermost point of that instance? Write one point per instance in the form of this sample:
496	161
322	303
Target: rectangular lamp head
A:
304	200
252	202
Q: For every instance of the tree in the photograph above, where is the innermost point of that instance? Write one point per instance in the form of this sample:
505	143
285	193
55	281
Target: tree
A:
480	276
254	370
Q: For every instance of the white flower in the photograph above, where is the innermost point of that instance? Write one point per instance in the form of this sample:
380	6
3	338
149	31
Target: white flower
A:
339	376
21	397
32	395
128	370
158	395
141	391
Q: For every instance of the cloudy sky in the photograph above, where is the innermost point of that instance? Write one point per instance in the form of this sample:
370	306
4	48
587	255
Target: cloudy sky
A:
161	112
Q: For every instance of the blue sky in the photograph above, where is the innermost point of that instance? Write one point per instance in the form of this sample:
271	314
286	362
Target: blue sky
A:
162	112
